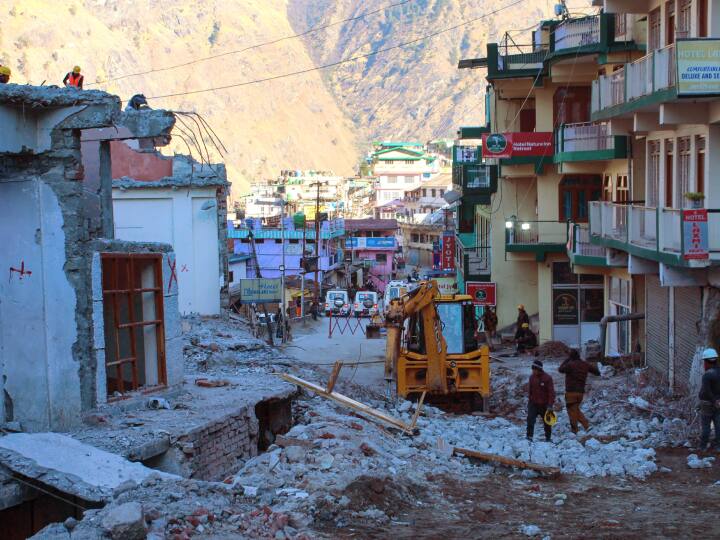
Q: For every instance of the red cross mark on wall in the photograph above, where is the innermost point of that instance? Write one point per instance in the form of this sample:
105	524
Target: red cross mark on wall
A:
20	271
173	276
184	268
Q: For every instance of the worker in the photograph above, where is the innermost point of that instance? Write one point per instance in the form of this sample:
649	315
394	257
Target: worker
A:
490	322
522	318
526	339
710	398
576	371
74	78
314	310
541	394
298	307
136	103
5	74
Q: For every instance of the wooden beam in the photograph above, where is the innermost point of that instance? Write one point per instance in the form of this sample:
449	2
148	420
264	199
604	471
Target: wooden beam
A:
417	411
348	402
509	462
333	377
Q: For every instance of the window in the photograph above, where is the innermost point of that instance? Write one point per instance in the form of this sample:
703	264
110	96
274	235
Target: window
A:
294	241
409	162
408	179
700	164
392	179
527	120
669	22
654	29
133	321
414	237
684	155
702	18
575	194
608	189
622	189
432	193
572	105
390	162
669	172
684	18
278	241
381	257
653	173
442	192
424	192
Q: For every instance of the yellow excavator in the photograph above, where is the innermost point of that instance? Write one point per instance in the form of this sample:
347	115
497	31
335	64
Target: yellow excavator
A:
432	347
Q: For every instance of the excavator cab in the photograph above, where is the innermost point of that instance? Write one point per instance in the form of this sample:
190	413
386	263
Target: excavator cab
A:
438	352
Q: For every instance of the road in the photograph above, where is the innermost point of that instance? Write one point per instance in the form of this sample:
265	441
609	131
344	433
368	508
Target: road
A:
311	345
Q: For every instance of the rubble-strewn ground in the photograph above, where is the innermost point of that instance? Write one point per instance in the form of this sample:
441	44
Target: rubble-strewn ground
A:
336	474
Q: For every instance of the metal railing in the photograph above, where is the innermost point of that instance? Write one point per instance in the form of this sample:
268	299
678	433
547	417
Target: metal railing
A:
528	233
670	224
584	137
643	226
640	75
581	242
527	57
573	33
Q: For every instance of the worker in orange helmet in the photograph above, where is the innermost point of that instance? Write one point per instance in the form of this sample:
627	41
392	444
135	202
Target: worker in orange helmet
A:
74	78
5	74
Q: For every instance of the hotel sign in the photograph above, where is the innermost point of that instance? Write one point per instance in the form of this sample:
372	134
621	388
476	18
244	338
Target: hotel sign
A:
260	291
698	67
695	234
522	144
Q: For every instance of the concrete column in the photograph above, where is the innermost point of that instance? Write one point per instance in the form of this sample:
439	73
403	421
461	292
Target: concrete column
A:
106	204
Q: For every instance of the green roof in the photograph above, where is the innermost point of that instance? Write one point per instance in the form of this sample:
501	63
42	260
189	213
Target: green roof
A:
397	143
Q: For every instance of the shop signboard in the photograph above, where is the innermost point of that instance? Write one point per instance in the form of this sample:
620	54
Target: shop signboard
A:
520	144
483	293
565	306
447	261
260	290
698	67
695	234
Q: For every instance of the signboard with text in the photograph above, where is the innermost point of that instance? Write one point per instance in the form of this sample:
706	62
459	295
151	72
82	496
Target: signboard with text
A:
447	285
521	144
565	307
698	66
361	242
695	234
447	257
260	290
467	154
483	293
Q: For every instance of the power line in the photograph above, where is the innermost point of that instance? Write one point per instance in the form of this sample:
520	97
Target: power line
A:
348	60
251	47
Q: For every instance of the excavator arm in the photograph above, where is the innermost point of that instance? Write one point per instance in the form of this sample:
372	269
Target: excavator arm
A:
419	302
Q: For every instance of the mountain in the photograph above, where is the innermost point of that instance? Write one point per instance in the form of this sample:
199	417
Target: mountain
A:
318	120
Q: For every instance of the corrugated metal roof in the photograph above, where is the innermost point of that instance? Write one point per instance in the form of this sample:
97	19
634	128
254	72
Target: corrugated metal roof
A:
370	224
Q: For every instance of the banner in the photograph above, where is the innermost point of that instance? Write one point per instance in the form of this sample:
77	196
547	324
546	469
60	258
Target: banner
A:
522	144
361	242
483	293
698	66
447	258
447	285
260	290
695	234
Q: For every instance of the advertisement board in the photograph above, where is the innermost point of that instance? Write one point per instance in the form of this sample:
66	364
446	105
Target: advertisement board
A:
698	66
260	290
483	293
467	154
695	234
447	258
565	306
447	285
360	242
521	144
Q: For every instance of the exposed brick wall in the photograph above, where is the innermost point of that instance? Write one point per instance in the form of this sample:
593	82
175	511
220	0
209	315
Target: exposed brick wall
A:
688	317
215	450
656	324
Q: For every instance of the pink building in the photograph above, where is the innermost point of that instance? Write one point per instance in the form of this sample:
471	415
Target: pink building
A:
371	244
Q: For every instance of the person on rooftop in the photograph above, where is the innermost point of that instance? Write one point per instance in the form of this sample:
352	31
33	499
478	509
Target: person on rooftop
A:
74	78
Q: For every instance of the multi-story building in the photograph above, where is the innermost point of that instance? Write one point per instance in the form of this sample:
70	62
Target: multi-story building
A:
400	167
615	215
535	97
428	196
371	245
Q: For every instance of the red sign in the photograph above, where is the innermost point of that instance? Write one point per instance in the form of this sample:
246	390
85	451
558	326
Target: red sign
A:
695	234
483	293
447	257
522	144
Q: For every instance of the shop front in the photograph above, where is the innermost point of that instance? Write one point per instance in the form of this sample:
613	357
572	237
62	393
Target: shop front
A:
577	305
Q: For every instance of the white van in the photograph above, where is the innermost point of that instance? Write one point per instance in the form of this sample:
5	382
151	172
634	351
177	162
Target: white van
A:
337	302
366	304
394	289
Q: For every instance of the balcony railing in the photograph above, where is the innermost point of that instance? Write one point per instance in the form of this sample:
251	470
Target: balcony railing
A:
652	73
574	33
521	235
651	229
526	57
582	245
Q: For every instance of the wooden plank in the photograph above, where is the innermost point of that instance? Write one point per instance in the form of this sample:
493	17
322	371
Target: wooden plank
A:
348	402
417	410
333	377
510	462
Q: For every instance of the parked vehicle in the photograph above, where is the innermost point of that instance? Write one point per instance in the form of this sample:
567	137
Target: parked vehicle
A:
337	302
394	289
366	304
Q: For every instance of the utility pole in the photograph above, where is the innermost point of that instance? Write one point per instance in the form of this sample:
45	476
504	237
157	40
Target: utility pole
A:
282	266
316	294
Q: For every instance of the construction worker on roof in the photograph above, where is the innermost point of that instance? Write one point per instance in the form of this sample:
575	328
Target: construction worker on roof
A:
5	74
74	78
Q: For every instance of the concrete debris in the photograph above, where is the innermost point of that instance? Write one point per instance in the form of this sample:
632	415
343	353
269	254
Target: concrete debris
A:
158	403
125	522
695	462
639	402
530	530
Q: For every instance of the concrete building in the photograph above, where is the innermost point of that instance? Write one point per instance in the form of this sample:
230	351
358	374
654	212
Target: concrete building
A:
371	247
399	168
85	318
421	244
427	197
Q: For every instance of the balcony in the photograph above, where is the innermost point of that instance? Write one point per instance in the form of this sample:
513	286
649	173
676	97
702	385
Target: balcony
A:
476	259
647	81
581	250
588	142
507	61
536	237
576	34
475	181
649	232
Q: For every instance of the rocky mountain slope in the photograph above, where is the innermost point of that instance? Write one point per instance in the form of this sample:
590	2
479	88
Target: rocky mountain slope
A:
321	119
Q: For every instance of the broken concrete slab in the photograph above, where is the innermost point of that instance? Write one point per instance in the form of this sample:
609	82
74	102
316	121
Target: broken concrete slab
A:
69	465
125	522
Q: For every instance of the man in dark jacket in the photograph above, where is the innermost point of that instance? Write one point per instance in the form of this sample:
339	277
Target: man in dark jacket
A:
710	398
526	339
522	318
576	372
541	398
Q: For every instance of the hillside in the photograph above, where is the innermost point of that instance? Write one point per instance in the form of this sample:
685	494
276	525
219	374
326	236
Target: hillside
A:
322	119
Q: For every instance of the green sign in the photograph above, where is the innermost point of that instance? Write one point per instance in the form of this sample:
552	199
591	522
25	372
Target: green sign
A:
260	290
496	143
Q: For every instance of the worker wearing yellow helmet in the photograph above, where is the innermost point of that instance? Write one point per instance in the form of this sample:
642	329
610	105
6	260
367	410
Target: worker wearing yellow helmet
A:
74	78
5	74
522	318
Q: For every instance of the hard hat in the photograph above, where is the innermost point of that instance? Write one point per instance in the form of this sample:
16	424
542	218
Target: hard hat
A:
76	69
525	325
4	70
550	418
710	355
521	306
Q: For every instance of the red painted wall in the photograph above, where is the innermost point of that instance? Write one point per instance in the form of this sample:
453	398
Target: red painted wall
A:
138	165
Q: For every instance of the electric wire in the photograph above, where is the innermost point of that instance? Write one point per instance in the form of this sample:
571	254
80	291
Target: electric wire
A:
345	61
251	47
